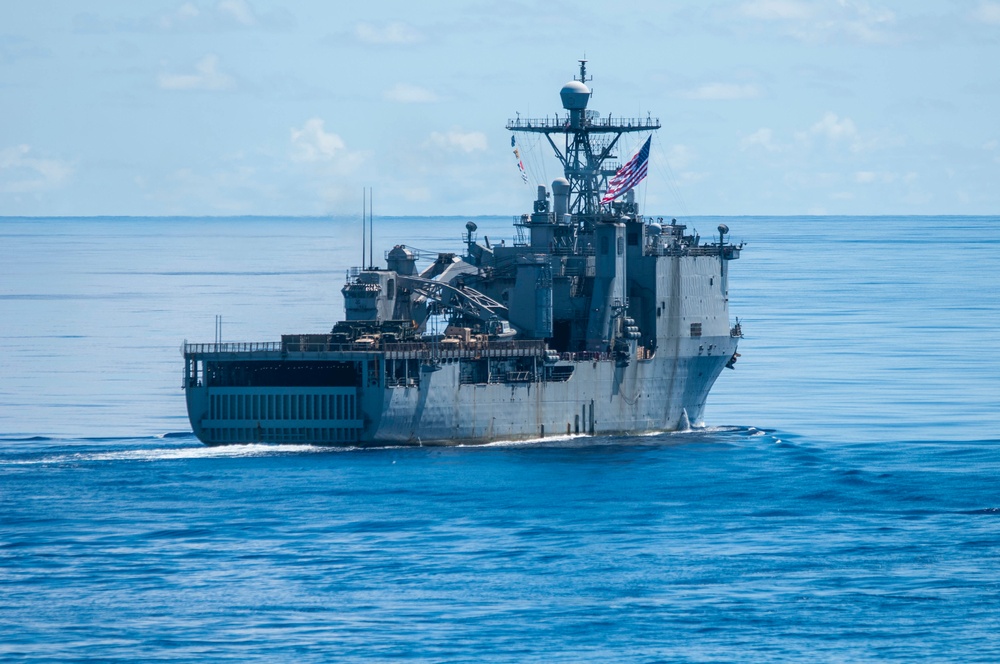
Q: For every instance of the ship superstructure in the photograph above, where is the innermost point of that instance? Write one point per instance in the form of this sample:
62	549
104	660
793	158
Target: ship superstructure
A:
594	320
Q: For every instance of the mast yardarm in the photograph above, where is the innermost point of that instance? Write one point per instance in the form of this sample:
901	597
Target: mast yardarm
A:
585	144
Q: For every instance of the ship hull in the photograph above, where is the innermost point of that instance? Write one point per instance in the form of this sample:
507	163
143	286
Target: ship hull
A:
438	402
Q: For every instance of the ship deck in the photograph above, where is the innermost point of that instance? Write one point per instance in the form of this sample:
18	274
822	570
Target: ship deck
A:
392	351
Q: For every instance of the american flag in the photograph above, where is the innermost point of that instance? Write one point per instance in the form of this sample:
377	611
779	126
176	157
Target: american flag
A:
630	174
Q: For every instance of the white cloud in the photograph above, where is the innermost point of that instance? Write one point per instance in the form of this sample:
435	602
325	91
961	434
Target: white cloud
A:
836	131
206	76
723	91
313	143
184	15
987	12
189	16
763	138
457	140
405	93
868	25
813	180
816	22
390	33
22	173
416	194
325	152
223	15
689	178
238	11
872	177
776	10
679	157
834	128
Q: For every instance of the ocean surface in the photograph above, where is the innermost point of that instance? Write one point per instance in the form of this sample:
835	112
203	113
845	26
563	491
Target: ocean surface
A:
840	502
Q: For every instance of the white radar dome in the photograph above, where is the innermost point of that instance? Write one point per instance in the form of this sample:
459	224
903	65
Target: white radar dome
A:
575	96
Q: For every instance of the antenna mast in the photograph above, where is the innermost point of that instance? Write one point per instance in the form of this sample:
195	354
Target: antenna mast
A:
364	235
585	144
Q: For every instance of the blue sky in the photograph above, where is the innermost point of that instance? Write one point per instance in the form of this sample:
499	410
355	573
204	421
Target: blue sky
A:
217	107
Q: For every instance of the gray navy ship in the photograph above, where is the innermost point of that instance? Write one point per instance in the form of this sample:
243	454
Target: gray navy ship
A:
593	320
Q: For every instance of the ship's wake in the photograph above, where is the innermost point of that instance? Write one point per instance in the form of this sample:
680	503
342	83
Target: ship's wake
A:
59	452
166	454
691	434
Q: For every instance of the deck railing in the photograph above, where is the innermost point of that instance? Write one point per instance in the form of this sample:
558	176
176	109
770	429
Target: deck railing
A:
233	347
563	122
432	349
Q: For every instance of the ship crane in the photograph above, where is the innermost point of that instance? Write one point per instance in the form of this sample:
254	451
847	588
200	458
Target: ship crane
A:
461	300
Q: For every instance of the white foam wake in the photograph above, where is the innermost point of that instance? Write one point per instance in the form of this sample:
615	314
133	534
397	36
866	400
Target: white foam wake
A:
177	453
562	438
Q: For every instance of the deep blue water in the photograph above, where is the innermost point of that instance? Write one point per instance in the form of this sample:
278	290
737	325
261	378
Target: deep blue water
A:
842	502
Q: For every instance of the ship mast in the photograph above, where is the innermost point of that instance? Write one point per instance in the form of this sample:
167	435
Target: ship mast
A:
585	148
